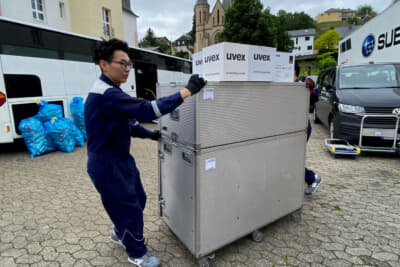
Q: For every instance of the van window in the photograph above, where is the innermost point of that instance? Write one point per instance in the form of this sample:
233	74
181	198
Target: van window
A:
370	76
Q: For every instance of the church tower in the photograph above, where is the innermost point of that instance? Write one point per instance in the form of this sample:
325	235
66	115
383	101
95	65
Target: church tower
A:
201	10
209	25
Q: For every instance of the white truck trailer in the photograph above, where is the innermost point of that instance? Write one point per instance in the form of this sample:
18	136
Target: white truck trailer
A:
377	41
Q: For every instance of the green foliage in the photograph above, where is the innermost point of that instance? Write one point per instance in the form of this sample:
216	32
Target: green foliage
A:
164	47
354	20
245	22
149	39
364	10
192	33
328	40
326	62
327	45
182	54
296	21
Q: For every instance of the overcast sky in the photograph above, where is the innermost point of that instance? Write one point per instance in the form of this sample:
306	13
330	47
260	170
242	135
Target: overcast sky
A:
172	18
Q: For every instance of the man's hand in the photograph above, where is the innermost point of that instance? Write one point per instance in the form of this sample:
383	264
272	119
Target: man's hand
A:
195	84
156	135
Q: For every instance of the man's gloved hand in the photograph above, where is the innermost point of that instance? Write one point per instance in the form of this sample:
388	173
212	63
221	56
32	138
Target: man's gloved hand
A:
195	84
156	135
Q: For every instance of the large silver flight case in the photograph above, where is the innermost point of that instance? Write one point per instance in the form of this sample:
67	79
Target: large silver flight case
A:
231	112
211	197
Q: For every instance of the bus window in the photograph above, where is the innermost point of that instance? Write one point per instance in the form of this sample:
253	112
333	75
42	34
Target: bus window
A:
21	85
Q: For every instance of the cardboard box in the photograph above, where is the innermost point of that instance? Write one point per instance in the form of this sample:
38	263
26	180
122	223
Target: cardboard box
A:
197	63
261	64
226	62
284	67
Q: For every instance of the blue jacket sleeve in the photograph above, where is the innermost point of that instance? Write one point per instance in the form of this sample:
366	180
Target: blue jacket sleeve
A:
118	103
138	130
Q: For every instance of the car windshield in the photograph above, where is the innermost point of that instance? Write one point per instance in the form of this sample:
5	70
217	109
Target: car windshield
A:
370	76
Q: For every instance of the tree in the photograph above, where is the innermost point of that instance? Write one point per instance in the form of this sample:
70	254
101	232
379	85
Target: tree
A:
149	39
192	33
182	54
245	23
354	21
365	10
329	40
296	21
326	62
327	45
164	47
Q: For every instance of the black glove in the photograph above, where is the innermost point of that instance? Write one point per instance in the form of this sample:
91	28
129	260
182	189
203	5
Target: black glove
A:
195	84
156	135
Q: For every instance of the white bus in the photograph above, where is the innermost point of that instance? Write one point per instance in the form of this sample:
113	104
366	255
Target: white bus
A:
39	63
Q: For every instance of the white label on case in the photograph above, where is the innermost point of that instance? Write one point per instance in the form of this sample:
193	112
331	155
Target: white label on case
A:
208	93
211	164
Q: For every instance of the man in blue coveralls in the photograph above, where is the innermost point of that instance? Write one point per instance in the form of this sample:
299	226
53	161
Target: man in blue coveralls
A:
110	117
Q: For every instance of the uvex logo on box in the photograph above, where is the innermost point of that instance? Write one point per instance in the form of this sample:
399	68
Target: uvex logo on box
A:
211	58
199	62
262	57
238	57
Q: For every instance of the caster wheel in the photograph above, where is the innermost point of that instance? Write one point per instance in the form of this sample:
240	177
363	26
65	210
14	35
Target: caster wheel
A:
257	236
204	262
296	215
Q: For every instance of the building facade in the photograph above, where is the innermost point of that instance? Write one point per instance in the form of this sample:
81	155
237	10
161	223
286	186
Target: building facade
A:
49	13
129	21
208	25
333	14
303	41
183	44
97	18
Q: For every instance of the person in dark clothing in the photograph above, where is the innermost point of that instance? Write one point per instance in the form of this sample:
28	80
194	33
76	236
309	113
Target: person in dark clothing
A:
314	94
313	181
111	118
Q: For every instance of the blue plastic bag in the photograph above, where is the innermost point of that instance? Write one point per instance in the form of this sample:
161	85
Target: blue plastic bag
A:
77	108
61	134
78	136
48	111
35	137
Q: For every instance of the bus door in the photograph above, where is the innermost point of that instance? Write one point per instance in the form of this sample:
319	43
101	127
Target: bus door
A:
146	80
5	122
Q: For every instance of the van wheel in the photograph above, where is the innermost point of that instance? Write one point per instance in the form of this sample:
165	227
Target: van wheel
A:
332	129
315	117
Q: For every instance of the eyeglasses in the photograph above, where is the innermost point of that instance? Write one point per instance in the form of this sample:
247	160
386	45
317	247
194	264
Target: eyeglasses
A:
124	64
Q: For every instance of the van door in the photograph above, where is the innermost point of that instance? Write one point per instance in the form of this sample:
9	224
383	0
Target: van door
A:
324	105
5	122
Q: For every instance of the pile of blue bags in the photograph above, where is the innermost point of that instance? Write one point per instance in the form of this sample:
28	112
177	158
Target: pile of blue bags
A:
48	130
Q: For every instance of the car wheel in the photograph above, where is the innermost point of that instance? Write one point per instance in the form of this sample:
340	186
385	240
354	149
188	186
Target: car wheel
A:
315	117
332	129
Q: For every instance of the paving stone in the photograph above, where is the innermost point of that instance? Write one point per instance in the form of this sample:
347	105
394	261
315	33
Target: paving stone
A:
385	256
358	251
28	259
7	261
372	261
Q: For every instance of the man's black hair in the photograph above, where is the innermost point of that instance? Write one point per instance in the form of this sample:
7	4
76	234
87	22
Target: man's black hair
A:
105	49
296	69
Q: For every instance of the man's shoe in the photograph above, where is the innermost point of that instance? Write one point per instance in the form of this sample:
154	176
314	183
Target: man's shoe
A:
314	186
145	261
114	238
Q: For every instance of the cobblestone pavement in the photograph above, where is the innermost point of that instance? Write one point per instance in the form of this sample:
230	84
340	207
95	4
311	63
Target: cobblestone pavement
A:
51	215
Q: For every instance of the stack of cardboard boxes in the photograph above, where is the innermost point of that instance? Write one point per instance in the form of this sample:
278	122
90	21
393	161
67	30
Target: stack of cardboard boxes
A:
239	62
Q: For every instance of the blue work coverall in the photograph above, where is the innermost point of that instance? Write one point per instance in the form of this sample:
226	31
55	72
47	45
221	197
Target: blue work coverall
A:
110	117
